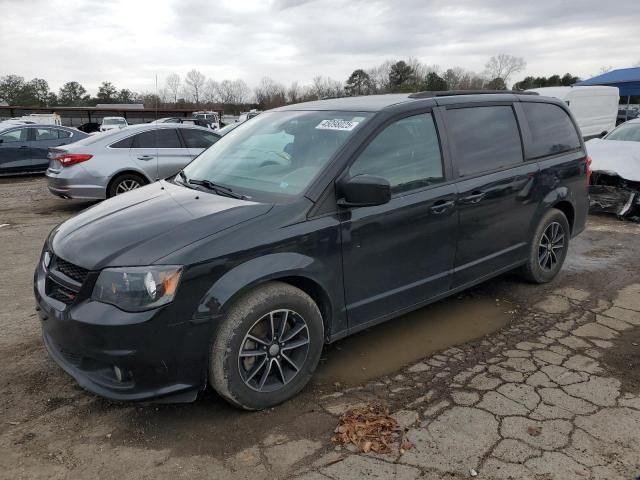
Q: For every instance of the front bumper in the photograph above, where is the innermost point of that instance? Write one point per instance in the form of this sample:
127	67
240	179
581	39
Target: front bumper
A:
121	355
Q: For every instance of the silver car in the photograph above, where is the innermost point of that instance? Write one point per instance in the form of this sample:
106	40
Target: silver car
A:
108	164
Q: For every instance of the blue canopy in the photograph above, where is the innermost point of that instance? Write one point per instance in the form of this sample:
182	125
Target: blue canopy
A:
626	79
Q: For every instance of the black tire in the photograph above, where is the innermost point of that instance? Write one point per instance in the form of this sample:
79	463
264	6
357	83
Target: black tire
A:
116	185
548	249
230	374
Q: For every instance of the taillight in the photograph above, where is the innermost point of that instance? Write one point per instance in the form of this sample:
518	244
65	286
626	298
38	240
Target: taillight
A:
589	171
67	159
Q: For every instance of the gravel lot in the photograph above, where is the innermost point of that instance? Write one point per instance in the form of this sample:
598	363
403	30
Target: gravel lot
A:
509	379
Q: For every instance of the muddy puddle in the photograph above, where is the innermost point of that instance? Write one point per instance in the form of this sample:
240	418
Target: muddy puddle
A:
387	347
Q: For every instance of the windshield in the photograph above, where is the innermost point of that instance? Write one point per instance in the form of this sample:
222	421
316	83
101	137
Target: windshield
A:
113	121
277	153
627	132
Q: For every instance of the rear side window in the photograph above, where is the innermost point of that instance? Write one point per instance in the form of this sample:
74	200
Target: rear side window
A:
552	130
45	134
63	134
406	153
484	138
124	143
159	138
197	138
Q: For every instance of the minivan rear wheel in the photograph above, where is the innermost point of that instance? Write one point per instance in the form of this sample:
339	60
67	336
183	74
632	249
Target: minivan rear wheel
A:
124	183
267	347
548	248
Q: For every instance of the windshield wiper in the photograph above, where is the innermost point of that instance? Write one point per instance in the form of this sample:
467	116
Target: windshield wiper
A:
217	188
183	179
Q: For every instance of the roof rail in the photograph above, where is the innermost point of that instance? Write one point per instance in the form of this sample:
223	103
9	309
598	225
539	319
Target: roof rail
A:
448	93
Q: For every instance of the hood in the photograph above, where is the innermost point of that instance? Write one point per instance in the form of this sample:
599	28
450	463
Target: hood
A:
146	224
615	156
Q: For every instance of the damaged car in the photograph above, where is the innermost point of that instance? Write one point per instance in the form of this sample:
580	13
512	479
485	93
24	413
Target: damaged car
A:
615	183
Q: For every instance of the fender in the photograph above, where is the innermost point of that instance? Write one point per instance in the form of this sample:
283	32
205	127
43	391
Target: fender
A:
255	271
132	169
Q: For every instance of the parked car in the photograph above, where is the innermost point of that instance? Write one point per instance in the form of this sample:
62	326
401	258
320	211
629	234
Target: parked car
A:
615	184
187	121
89	127
108	164
24	147
112	123
626	113
307	224
595	108
244	116
212	118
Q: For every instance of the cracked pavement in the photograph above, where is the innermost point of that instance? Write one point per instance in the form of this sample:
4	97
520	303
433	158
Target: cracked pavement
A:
554	394
544	408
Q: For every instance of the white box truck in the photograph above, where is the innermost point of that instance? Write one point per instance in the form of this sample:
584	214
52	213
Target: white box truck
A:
595	108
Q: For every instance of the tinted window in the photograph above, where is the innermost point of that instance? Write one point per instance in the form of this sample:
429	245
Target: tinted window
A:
159	138
45	134
63	134
552	130
485	138
197	138
125	143
406	153
19	135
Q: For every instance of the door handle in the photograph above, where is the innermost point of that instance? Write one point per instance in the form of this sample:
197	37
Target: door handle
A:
146	157
441	206
23	146
475	197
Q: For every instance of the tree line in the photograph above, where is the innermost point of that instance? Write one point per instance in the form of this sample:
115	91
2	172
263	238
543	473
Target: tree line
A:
195	90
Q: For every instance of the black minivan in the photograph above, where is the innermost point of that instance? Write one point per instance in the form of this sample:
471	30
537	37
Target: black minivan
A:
304	225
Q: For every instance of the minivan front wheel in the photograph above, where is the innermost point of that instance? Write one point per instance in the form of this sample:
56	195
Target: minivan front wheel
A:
267	348
548	248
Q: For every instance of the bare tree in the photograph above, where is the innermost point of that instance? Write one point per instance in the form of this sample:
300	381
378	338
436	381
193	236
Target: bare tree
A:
210	91
379	77
270	94
165	95
195	82
294	93
173	86
233	92
503	66
241	92
326	87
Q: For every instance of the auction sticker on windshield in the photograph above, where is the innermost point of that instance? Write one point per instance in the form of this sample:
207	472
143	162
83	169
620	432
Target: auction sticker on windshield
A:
337	124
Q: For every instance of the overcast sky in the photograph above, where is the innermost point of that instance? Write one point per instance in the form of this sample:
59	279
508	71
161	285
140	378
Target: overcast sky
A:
128	42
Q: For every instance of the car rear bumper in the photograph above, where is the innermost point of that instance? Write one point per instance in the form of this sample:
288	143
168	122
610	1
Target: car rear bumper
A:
121	355
74	187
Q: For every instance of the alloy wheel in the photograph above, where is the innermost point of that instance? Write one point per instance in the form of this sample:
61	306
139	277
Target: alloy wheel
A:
551	246
127	185
273	351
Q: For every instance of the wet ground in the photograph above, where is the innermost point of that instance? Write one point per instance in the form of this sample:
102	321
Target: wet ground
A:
52	429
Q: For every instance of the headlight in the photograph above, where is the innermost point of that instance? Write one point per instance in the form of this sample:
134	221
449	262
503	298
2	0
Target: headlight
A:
135	289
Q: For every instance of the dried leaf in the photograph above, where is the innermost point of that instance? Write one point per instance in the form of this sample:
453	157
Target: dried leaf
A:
369	428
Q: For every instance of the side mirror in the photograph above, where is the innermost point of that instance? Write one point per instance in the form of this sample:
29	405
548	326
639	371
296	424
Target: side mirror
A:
364	191
602	134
